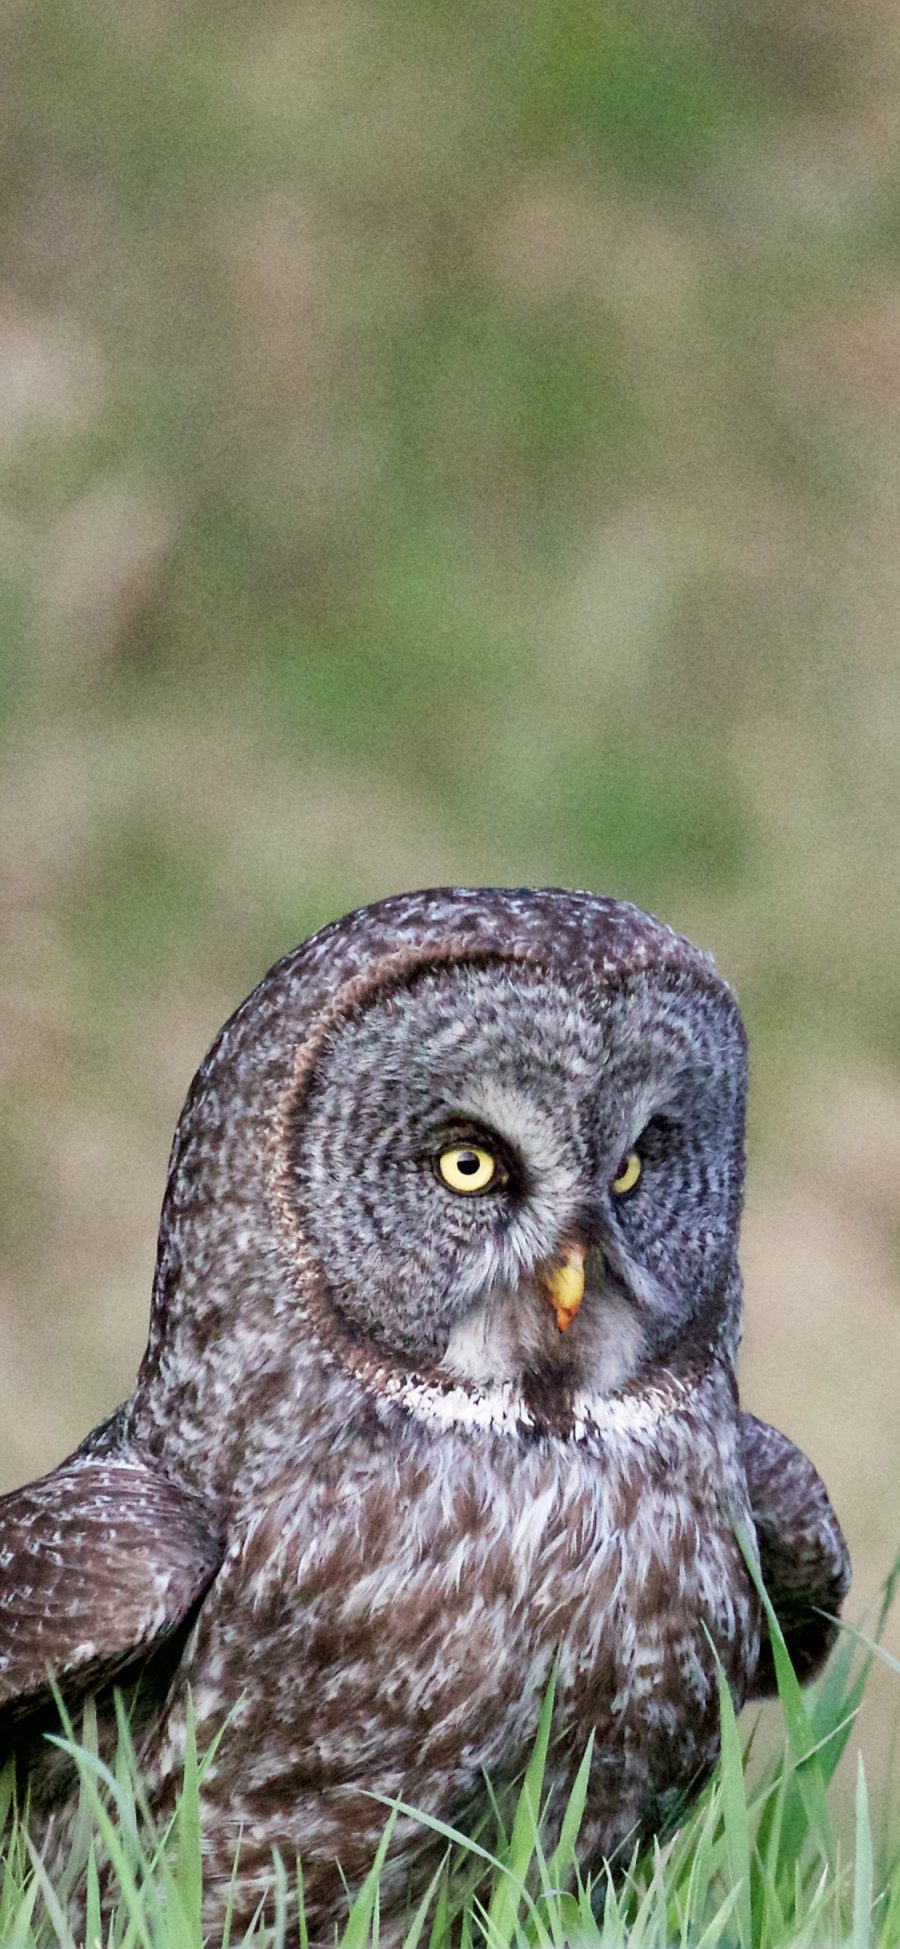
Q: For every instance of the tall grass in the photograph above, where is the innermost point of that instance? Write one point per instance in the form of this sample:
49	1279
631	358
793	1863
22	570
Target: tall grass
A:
756	1866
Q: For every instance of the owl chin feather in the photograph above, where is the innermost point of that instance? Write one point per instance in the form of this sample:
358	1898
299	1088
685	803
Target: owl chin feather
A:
512	1332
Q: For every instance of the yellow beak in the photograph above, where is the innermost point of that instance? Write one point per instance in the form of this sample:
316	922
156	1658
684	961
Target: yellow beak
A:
565	1286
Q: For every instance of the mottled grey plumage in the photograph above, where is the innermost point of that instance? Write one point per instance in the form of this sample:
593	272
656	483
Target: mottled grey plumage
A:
365	1491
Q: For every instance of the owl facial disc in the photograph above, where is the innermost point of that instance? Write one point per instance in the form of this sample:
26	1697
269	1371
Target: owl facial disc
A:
481	1152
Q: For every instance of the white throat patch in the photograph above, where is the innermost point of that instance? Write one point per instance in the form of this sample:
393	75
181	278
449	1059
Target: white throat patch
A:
502	1408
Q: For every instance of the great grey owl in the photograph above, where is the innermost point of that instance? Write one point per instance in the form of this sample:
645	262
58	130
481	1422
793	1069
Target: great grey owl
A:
439	1392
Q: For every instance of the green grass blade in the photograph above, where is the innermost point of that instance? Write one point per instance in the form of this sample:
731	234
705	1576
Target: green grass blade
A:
563	1857
364	1907
188	1876
863	1878
801	1735
416	1928
734	1813
506	1899
92	1914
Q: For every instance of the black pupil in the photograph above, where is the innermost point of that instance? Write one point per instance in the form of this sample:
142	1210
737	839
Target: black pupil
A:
468	1163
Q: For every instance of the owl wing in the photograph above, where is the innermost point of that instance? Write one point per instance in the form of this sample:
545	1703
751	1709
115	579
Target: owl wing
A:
803	1556
99	1563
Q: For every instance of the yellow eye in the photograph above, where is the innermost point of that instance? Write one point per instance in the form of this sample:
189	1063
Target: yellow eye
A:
628	1173
466	1167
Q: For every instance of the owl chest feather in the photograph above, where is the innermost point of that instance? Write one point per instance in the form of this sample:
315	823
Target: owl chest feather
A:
398	1614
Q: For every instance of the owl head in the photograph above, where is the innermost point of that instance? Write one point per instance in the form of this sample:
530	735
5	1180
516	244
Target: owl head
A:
492	1137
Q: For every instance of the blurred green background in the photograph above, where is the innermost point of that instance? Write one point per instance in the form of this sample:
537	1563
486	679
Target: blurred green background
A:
449	442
